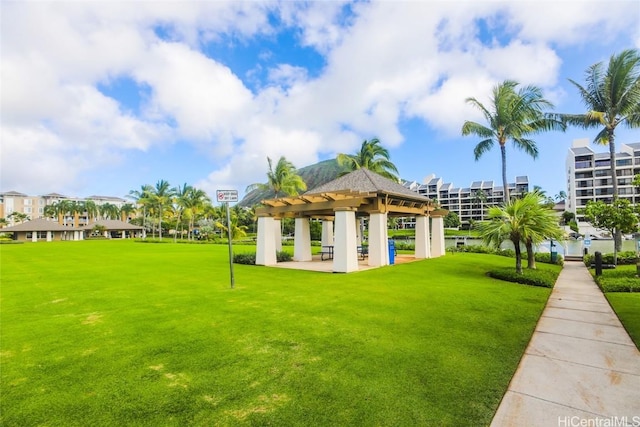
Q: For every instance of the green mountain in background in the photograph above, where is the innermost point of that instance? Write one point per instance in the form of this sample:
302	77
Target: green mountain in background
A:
314	176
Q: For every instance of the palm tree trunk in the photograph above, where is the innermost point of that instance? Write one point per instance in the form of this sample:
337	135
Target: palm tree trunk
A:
531	256
516	246
503	154
617	235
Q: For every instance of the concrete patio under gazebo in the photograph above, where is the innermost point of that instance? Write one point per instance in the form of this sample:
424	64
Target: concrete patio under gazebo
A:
340	204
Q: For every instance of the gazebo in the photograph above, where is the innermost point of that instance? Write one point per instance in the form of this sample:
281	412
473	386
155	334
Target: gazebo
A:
339	204
42	229
113	227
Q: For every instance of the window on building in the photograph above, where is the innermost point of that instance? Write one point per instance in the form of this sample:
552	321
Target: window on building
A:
27	202
623	162
583	165
602	163
27	210
624	172
603	173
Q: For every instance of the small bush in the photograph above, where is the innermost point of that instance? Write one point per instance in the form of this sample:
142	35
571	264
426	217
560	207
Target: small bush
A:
546	258
282	256
543	278
248	259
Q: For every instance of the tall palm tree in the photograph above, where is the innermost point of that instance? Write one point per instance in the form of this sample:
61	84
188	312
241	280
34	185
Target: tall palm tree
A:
612	98
283	178
196	201
372	156
142	197
514	114
180	195
161	197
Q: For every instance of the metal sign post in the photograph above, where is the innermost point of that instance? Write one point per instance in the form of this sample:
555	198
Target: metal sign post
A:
226	196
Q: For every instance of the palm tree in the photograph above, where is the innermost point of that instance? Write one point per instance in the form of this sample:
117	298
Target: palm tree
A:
109	211
372	156
126	210
542	224
520	221
3	222
142	197
161	197
180	197
612	98
284	178
513	115
92	210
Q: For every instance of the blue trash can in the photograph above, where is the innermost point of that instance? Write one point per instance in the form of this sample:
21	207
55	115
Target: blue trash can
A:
392	251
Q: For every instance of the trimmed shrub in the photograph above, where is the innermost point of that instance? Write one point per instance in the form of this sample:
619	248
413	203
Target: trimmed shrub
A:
624	258
249	259
542	278
546	258
510	253
282	256
622	279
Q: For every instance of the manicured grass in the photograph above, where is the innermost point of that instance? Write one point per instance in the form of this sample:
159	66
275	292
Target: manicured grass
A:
121	333
627	307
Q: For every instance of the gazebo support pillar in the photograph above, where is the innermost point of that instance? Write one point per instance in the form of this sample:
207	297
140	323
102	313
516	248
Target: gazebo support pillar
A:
277	233
49	236
266	244
437	237
302	240
327	233
423	245
378	250
345	251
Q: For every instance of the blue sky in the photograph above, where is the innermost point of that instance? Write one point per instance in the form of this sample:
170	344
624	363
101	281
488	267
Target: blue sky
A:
103	97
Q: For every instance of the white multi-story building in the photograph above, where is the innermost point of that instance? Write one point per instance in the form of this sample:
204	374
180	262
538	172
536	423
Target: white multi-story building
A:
470	203
34	206
589	176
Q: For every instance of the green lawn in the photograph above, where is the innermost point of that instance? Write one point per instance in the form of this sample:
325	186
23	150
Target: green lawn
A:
627	307
120	333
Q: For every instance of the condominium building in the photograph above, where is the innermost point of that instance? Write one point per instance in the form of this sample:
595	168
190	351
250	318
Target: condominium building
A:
589	175
470	203
34	206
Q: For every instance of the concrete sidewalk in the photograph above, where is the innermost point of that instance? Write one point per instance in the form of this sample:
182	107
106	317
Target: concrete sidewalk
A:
580	368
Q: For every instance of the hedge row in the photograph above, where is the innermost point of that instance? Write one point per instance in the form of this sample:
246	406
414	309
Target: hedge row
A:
250	258
542	278
624	258
479	249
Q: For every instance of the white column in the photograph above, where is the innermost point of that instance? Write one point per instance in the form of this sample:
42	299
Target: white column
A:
302	240
378	246
49	236
345	250
437	237
266	244
277	233
423	246
327	233
34	236
75	235
124	234
358	232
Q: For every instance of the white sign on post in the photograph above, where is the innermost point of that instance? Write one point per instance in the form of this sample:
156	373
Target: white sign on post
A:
227	195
